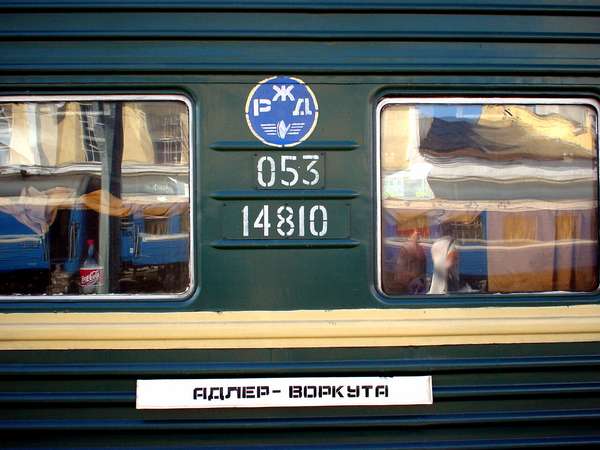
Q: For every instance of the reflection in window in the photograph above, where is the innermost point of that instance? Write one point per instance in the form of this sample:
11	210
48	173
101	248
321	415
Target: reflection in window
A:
94	197
5	124
488	198
92	125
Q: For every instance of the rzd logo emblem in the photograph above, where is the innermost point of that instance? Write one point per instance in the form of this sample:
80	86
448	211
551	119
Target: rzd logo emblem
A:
282	111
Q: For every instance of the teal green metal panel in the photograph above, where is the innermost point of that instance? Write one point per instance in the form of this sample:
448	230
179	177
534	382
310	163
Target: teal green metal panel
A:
371	25
320	274
542	7
215	52
486	397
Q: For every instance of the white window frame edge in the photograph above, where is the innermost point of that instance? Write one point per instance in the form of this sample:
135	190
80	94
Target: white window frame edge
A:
191	263
397	100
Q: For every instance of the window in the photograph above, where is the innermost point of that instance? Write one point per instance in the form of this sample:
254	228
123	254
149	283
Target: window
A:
95	196
497	196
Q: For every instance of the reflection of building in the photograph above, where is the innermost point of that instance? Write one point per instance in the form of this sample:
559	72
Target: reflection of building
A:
54	176
515	184
5	126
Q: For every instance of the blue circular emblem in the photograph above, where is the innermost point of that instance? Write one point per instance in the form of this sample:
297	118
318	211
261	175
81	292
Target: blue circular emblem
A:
282	111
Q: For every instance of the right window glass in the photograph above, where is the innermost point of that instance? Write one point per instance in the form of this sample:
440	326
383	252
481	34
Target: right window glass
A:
497	197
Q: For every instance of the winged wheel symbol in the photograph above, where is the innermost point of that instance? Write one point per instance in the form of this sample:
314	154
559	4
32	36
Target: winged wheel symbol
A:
282	129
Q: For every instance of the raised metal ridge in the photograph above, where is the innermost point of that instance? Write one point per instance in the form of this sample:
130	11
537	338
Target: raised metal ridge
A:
284	243
304	57
338	439
254	146
537	6
371	26
422	420
439	392
206	368
285	194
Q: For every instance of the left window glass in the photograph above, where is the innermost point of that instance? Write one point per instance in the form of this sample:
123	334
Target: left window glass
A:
95	196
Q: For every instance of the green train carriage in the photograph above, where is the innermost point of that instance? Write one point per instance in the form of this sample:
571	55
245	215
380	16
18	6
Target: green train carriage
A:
299	224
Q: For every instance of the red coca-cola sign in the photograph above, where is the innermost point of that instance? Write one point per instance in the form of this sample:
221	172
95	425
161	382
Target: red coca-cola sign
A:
91	276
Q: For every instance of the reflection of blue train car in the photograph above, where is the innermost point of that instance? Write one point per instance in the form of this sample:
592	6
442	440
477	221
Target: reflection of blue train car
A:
142	248
140	245
21	248
77	237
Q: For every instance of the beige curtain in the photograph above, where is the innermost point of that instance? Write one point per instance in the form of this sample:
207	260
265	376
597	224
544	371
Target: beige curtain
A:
70	136
542	251
576	266
41	135
185	131
137	144
48	133
22	149
395	138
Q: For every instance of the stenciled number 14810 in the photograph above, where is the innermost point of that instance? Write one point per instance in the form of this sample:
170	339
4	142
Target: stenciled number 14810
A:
284	221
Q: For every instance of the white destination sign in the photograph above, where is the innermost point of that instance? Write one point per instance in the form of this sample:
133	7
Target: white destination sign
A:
283	392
